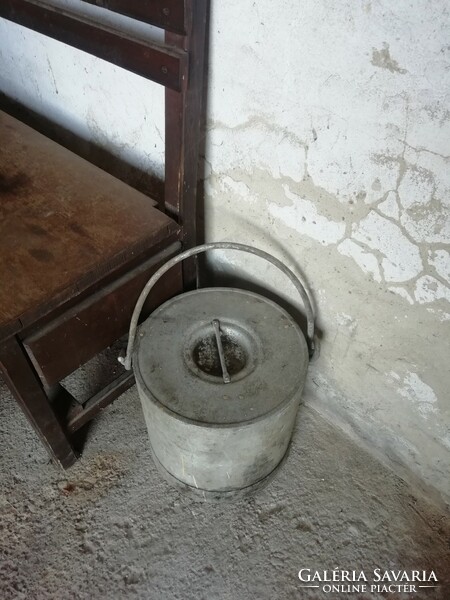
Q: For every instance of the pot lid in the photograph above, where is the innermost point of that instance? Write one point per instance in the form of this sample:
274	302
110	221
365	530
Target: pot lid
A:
177	359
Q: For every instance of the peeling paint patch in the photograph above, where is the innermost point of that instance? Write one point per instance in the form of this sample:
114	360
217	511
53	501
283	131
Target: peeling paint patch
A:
383	59
278	150
440	259
400	259
239	188
416	187
442	315
446	441
303	216
418	392
429	289
430	224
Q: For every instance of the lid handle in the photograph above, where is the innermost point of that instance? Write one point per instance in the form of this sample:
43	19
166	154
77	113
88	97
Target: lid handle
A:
223	364
218	246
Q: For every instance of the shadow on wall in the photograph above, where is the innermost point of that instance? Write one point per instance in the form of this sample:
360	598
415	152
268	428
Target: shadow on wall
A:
211	276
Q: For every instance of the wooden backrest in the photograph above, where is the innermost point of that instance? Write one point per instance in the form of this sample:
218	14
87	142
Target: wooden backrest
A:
177	64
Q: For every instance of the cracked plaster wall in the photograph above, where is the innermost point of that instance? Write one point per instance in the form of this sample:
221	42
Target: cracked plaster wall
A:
327	145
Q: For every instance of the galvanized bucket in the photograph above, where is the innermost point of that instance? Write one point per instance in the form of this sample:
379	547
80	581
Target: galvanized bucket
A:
220	372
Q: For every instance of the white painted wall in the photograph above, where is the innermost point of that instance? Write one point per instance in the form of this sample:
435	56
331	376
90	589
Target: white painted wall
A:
328	145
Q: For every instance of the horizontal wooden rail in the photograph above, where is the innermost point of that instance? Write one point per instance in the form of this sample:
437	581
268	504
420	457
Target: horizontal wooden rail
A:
167	14
97	403
158	62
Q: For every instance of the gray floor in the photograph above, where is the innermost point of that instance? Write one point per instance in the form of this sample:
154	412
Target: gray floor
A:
110	527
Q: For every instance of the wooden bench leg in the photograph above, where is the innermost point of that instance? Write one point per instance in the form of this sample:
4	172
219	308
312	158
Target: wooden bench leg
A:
30	395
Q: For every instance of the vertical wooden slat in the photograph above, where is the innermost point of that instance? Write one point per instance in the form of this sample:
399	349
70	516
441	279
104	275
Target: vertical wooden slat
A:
183	124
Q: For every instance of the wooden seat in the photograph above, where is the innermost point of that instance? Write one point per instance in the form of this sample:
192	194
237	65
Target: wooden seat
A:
77	245
63	224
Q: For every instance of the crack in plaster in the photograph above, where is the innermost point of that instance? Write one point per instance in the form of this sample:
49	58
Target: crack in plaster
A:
389	240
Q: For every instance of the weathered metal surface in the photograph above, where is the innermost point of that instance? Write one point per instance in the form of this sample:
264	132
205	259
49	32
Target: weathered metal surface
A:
208	435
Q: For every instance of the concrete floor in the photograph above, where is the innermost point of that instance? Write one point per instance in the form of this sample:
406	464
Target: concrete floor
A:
112	528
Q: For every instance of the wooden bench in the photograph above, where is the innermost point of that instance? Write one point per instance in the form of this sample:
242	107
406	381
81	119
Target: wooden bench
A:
76	243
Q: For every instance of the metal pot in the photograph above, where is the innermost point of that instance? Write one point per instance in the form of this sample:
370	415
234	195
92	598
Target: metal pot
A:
220	372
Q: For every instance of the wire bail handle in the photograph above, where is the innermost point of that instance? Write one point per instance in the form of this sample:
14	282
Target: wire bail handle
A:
204	248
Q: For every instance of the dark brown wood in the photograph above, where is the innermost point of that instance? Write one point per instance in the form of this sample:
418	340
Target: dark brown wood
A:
160	63
64	224
167	14
30	395
100	401
77	335
183	120
77	245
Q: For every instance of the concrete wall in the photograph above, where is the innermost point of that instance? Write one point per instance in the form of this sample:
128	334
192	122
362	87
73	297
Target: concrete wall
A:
328	145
